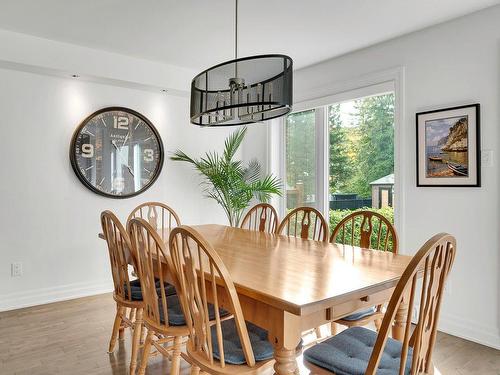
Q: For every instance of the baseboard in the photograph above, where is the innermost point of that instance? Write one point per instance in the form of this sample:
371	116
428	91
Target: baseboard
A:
43	296
469	330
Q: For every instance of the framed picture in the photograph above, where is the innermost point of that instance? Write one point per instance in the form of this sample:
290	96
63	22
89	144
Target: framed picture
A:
448	147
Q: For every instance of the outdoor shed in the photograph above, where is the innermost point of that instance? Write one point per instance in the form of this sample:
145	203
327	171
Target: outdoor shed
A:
383	191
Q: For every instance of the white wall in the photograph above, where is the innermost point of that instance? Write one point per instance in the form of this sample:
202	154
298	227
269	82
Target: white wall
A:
450	64
48	219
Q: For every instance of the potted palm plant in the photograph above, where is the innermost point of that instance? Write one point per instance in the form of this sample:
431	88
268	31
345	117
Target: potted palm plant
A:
229	182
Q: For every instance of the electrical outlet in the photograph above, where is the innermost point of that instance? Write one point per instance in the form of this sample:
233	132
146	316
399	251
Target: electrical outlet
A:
16	269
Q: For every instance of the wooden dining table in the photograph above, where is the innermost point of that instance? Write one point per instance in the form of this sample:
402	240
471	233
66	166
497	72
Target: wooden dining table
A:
289	285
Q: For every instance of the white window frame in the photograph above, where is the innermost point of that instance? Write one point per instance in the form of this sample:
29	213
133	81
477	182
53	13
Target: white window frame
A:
391	80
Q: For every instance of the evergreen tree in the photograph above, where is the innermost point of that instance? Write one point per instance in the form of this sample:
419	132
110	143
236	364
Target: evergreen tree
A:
340	162
375	156
301	151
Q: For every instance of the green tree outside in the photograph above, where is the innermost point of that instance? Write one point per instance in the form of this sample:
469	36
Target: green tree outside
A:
360	152
375	148
341	164
301	151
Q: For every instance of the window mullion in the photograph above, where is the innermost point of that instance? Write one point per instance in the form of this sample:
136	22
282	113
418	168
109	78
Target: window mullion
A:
322	201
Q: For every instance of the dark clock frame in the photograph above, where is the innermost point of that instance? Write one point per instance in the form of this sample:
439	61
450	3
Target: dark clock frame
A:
85	182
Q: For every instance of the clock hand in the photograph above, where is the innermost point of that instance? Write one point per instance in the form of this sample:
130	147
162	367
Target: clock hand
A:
126	138
130	170
121	158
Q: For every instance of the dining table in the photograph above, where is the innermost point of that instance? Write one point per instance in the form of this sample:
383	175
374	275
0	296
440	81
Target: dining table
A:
289	285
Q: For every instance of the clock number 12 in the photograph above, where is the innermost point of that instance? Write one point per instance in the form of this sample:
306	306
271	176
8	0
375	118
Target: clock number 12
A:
120	122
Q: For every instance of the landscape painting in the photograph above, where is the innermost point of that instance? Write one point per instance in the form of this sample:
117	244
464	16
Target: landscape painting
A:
448	147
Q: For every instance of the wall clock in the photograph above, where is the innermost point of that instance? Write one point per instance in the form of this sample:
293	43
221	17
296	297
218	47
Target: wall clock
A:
116	152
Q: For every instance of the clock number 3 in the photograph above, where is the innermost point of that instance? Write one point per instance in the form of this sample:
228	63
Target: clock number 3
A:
120	122
148	154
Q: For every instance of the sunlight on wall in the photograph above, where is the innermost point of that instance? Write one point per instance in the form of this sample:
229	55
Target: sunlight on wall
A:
77	104
158	112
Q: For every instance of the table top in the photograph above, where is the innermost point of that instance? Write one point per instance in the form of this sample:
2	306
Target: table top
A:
299	275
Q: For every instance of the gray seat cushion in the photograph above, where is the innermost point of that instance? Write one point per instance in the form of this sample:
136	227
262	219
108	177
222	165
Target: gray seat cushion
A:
233	352
360	314
169	289
348	353
175	314
136	292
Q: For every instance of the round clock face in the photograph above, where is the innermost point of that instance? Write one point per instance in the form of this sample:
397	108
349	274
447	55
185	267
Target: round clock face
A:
117	152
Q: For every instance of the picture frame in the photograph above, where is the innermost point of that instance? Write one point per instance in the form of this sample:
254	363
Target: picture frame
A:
449	147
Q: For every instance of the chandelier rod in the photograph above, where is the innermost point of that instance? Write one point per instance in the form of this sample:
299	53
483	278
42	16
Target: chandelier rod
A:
236	31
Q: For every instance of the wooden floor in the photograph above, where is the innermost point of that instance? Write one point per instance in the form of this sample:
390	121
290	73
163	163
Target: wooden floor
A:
72	338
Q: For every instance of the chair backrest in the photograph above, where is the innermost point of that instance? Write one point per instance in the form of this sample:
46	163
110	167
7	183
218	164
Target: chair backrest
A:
261	217
201	273
427	273
306	223
366	229
160	216
152	255
120	254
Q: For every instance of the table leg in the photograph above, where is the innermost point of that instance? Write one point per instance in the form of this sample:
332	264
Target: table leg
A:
399	325
285	362
285	340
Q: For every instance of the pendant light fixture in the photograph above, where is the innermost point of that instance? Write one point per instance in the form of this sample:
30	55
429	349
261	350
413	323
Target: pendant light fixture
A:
243	90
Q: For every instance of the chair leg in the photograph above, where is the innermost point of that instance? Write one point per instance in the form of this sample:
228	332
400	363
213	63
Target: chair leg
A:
176	356
146	352
378	322
317	330
333	328
131	315
136	341
143	333
116	327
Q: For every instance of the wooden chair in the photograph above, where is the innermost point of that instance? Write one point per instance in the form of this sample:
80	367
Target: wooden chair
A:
306	223
376	354
222	346
127	293
160	216
374	232
261	217
163	315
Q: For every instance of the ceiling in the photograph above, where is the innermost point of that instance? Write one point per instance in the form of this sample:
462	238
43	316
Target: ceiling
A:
200	33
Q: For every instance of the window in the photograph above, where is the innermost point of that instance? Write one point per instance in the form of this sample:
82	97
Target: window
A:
358	156
300	139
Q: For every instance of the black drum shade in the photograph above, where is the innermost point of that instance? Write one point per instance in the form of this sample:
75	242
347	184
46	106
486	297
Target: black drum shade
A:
242	91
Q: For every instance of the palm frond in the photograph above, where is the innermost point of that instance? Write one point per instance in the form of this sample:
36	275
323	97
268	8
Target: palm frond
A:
263	189
179	155
253	171
233	142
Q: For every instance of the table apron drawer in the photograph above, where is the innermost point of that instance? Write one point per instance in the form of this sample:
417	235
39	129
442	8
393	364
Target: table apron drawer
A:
345	308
